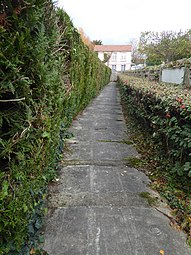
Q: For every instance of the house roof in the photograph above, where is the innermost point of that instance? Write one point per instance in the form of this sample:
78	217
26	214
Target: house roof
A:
113	48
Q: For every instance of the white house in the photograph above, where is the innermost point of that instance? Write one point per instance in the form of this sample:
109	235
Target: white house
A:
117	57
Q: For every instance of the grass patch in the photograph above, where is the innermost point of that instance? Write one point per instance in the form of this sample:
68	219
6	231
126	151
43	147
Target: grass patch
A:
134	162
152	201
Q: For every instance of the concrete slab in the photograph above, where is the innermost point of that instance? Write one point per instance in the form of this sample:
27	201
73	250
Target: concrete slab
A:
95	207
111	231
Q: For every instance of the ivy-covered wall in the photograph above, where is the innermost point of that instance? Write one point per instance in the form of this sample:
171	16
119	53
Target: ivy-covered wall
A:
47	76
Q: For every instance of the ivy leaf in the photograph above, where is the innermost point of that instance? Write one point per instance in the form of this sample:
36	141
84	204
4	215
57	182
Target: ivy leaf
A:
31	229
38	223
187	166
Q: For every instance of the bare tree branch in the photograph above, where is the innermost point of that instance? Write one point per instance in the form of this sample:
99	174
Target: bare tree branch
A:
12	100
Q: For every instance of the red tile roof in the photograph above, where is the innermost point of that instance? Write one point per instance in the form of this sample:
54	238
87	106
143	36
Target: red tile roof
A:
113	48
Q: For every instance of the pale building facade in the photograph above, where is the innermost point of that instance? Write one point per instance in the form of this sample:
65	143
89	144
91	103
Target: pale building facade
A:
117	57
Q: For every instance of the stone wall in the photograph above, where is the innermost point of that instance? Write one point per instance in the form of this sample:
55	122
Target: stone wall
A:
177	72
175	75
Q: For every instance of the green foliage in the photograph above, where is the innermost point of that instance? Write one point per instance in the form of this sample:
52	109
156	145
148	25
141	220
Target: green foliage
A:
97	42
47	76
152	201
134	162
165	110
165	46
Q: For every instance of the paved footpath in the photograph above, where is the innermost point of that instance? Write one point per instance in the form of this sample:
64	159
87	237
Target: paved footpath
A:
95	207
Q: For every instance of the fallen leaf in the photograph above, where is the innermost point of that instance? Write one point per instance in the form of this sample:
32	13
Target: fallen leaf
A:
162	252
32	251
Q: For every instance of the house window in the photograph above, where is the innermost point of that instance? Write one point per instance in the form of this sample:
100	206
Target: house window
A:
122	68
114	56
113	68
123	57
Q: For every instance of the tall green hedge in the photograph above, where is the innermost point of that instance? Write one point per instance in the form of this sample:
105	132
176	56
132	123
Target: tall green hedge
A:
47	76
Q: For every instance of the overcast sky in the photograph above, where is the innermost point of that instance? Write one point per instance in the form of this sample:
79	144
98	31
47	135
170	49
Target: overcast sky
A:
116	22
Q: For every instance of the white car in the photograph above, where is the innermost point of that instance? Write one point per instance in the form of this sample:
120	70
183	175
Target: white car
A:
136	67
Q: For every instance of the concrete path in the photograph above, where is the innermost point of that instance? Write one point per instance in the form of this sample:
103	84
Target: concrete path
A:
95	208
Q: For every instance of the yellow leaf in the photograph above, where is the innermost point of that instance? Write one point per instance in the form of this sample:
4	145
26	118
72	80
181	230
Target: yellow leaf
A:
162	252
32	251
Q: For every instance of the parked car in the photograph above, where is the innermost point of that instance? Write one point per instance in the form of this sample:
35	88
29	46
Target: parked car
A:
136	67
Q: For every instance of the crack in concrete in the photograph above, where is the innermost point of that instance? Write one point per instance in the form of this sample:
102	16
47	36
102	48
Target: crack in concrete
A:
93	163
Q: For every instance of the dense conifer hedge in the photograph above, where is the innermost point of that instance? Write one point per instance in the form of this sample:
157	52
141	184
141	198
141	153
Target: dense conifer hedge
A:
47	76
